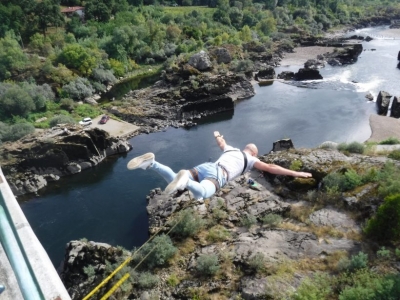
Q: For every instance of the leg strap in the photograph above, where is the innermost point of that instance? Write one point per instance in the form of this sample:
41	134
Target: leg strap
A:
195	174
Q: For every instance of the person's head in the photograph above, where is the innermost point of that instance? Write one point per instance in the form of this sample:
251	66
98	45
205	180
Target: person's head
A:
251	149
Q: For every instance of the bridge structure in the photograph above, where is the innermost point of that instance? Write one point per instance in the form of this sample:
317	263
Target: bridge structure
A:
26	271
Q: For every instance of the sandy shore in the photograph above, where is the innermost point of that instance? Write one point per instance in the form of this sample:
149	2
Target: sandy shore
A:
302	54
390	33
383	127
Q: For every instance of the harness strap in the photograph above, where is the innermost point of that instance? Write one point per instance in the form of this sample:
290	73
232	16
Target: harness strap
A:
195	174
244	158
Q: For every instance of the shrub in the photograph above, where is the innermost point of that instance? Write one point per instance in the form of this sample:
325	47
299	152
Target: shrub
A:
219	214
89	271
333	180
370	176
188	223
61	119
395	154
358	261
218	234
147	280
389	183
271	219
390	141
80	88
397	253
87	110
248	220
315	288
383	253
207	264
352	180
343	264
365	284
15	132
163	250
257	262
354	147
104	76
67	104
385	225
296	165
173	280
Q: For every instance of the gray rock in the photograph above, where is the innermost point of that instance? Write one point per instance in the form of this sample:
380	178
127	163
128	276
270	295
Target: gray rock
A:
223	56
382	102
201	61
334	218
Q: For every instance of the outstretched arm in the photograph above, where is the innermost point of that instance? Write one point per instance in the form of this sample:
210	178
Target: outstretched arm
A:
220	140
277	170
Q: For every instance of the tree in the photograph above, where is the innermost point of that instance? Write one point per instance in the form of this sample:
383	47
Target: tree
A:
76	57
97	10
48	14
16	101
12	58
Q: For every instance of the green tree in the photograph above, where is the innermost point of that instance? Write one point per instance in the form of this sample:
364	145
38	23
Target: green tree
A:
78	58
16	101
48	14
97	10
12	59
385	225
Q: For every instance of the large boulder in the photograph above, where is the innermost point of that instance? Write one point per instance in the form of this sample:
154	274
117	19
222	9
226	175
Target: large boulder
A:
382	102
286	75
395	110
267	73
222	55
201	61
314	64
307	74
344	54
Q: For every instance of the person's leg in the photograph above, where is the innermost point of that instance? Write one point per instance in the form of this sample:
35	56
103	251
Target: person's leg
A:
165	171
202	190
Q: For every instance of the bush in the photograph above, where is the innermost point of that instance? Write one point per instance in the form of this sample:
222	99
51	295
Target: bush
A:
61	119
219	214
333	180
163	250
354	147
147	280
296	165
365	284
390	141
87	110
389	180
358	261
257	262
248	220
15	132
68	104
89	271
188	223
385	225
79	89
173	280
395	154
207	264
314	288
104	76
383	253
352	180
218	234
271	219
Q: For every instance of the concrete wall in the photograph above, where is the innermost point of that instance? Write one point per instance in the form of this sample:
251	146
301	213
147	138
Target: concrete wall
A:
44	271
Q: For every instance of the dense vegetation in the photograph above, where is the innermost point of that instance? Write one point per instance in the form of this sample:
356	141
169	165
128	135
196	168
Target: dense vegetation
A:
48	62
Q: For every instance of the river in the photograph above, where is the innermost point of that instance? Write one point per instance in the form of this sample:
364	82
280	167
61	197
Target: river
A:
108	203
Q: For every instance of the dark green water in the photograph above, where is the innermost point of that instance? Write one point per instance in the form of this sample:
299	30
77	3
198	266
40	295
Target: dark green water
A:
108	203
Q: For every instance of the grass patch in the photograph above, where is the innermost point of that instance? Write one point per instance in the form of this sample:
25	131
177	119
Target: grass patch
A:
181	10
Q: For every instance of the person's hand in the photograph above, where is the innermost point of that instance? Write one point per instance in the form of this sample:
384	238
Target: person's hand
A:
304	174
217	134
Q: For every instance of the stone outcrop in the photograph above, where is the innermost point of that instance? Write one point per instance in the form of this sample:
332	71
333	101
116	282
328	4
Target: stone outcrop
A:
307	74
169	104
286	75
382	102
346	54
265	74
201	61
395	110
63	150
269	194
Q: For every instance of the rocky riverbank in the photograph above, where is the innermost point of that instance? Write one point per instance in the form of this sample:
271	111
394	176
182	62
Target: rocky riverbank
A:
33	161
267	237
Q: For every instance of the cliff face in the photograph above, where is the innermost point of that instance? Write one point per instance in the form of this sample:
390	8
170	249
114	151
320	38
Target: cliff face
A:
31	162
267	236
